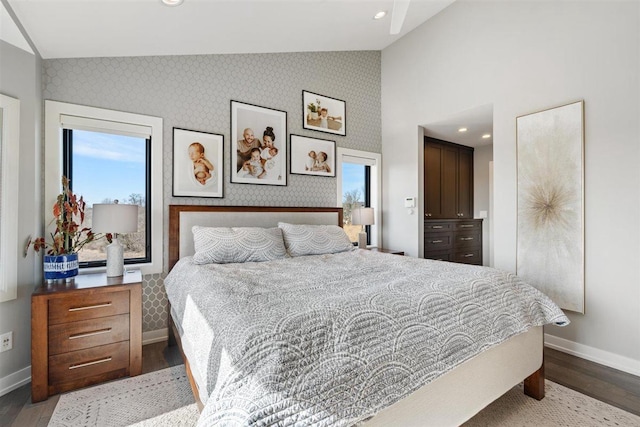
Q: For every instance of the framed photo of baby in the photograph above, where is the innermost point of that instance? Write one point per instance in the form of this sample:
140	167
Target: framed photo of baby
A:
312	156
323	113
197	163
258	145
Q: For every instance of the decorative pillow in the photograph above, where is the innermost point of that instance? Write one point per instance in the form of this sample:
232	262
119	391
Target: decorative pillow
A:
314	239
223	245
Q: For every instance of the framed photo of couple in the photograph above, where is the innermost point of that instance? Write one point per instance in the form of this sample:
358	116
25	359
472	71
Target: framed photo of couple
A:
197	163
258	145
323	113
312	156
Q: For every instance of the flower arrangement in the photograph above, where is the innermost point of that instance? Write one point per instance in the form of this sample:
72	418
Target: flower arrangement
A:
69	236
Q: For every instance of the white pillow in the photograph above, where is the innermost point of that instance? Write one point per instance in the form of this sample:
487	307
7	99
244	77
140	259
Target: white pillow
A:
314	239
223	245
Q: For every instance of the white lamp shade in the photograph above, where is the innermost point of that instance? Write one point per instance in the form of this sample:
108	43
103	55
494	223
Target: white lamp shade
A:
114	218
362	216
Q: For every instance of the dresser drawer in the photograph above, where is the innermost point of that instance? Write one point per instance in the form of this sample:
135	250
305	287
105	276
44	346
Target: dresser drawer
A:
437	241
85	363
467	239
471	256
88	306
438	255
437	227
468	226
65	337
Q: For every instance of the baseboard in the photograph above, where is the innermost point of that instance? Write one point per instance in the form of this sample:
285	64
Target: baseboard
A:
15	380
612	360
158	335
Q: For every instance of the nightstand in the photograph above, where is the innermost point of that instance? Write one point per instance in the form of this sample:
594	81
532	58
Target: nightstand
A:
387	251
85	332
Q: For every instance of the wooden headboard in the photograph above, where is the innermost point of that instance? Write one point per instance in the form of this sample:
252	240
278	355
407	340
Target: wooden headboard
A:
183	217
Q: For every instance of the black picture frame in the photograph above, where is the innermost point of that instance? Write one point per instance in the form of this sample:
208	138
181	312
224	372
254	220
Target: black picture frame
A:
253	126
306	156
333	120
198	163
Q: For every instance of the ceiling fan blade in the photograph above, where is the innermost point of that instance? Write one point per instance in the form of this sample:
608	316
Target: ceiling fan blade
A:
398	14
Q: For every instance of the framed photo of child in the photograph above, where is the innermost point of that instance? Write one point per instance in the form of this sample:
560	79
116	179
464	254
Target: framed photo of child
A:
197	163
312	156
258	145
323	113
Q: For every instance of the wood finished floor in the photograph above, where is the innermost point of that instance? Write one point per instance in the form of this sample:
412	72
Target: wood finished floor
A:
606	384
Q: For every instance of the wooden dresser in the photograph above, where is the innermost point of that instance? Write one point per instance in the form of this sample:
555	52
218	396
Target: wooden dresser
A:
454	240
85	332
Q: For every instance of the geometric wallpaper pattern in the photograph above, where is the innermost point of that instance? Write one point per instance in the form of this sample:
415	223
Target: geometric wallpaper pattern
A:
194	92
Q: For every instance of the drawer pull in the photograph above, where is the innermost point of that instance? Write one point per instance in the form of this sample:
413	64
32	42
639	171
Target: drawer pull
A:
466	225
95	362
89	307
466	238
436	241
468	255
436	227
89	334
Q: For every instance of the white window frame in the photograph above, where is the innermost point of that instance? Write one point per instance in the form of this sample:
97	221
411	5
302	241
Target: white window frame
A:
10	192
374	160
54	111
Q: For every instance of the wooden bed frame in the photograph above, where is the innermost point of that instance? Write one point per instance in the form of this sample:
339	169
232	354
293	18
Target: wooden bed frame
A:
451	399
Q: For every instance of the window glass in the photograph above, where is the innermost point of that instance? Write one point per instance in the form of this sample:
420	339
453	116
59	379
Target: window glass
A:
103	168
355	194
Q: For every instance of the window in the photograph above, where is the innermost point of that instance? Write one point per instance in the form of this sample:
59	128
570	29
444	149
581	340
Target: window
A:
359	179
109	155
106	168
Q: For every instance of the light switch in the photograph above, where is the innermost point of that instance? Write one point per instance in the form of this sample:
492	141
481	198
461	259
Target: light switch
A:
410	202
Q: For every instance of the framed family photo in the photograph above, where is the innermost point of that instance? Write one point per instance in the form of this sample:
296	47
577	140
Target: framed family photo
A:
323	113
258	145
312	156
197	163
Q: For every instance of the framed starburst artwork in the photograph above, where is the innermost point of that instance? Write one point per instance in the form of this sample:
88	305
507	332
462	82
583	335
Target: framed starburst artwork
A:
550	240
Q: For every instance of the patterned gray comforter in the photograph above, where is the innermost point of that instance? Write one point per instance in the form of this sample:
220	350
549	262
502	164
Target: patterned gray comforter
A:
330	340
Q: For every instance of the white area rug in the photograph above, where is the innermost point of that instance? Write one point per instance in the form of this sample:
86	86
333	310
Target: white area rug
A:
160	398
560	407
163	398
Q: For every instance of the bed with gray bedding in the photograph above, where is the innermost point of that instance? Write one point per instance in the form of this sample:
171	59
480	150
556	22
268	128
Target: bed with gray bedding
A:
332	339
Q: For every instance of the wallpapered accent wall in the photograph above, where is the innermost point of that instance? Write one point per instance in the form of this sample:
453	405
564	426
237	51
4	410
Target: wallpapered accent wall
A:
194	92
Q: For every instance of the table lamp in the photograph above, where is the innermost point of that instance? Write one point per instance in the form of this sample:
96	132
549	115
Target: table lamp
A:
362	216
115	218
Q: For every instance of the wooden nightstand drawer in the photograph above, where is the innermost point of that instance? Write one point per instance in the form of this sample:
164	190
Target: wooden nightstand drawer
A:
66	337
85	363
87	306
85	332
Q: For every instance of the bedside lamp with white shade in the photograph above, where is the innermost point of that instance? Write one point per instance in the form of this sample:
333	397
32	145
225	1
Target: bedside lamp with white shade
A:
115	218
362	216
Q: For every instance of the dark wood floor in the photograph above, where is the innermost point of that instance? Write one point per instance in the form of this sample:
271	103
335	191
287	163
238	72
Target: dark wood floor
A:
608	385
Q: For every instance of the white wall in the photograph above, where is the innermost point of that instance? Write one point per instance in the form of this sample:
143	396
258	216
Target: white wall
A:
482	157
523	57
20	78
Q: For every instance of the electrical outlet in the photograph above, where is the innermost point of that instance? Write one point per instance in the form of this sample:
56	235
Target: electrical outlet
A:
6	341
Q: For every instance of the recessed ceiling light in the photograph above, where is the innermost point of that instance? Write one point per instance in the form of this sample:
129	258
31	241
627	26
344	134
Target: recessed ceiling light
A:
462	130
486	135
172	2
380	14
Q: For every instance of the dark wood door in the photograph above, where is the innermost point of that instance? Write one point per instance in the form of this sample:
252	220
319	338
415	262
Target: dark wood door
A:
432	180
465	183
448	180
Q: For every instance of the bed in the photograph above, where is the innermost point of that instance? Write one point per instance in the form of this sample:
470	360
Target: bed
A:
250	333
